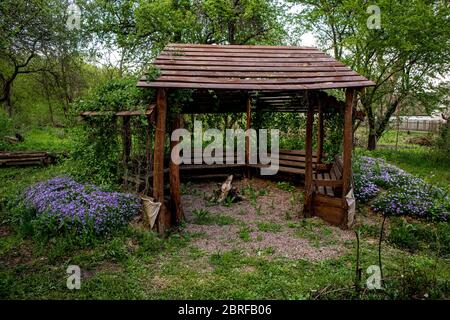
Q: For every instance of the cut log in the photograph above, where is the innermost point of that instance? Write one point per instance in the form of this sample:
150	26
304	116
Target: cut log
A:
225	189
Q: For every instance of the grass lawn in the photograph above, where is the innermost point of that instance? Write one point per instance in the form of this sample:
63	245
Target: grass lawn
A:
44	139
418	160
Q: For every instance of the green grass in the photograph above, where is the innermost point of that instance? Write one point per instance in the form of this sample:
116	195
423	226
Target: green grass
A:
419	161
44	139
268	226
390	137
202	216
134	266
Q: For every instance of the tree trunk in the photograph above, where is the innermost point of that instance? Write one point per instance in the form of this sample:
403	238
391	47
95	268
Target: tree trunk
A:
7	92
372	141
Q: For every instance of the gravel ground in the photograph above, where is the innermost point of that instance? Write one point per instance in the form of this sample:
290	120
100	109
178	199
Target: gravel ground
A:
269	224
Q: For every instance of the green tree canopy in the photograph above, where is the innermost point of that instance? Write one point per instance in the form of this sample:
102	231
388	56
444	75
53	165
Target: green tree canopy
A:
404	57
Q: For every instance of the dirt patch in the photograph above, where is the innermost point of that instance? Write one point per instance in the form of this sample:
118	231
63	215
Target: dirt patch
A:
268	222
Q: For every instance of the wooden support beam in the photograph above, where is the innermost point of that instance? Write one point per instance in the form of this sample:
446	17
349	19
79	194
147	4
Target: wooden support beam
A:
308	199
247	137
148	153
174	178
320	131
347	146
126	138
163	222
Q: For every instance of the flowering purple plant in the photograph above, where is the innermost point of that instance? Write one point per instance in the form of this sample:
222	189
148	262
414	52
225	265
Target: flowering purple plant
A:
83	207
406	195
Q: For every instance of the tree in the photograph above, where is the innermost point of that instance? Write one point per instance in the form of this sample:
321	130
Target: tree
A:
32	31
138	30
404	57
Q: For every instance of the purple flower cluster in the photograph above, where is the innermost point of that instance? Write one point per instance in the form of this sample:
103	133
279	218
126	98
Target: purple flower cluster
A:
365	179
405	195
81	206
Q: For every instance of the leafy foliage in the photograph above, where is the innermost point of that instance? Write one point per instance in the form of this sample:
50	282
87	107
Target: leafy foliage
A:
403	57
97	144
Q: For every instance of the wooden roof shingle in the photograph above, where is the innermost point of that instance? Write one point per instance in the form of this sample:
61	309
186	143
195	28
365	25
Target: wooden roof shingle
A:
245	67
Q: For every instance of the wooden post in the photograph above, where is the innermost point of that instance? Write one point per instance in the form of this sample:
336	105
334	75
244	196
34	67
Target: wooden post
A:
174	178
148	154
347	152
163	222
320	132
247	137
308	209
126	137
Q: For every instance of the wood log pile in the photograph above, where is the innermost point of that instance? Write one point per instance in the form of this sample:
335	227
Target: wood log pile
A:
26	158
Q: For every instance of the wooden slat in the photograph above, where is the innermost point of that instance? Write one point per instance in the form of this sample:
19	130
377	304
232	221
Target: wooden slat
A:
320	199
320	188
256	68
164	59
209	166
123	113
328	189
328	182
250	54
313	86
254	74
19	154
260	81
280	168
305	62
229	49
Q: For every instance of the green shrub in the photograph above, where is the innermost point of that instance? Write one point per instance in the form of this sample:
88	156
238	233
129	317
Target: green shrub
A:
97	143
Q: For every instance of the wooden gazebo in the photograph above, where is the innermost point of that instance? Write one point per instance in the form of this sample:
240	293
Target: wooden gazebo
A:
259	78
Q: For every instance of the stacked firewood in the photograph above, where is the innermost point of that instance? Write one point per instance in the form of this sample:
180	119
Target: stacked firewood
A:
26	158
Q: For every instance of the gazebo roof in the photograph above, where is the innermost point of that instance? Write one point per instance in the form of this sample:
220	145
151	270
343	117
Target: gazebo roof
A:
243	67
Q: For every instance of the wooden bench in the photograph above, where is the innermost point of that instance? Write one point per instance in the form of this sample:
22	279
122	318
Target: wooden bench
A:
329	183
291	161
